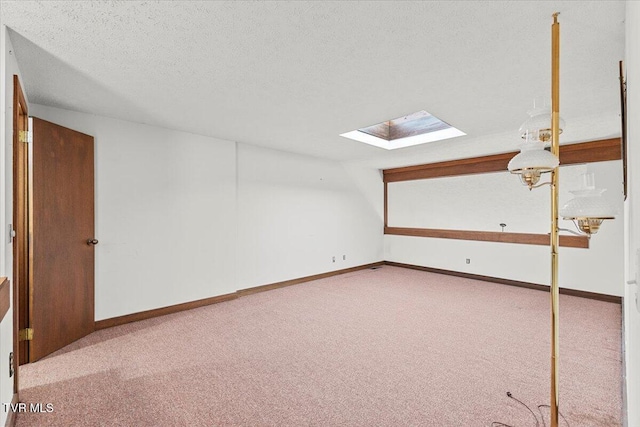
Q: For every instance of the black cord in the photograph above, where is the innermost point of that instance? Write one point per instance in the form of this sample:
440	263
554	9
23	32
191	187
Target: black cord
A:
528	409
535	417
541	416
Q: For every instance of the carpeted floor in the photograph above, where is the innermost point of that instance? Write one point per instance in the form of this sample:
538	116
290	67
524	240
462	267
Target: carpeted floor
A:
386	347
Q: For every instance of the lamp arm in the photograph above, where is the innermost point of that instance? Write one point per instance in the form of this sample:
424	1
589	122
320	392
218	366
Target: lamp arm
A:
576	233
541	184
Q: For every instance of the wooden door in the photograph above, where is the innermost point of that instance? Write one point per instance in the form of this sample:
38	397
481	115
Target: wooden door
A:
62	287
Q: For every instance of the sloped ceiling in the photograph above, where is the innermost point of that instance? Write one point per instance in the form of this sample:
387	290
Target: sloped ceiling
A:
294	75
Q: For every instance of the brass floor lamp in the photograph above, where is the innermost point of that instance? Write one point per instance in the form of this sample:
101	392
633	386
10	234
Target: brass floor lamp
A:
588	209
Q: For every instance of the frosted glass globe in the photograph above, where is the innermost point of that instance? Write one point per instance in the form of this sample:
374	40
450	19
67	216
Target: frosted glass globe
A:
533	156
588	203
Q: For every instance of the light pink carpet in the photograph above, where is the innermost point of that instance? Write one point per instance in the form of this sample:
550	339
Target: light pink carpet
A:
387	347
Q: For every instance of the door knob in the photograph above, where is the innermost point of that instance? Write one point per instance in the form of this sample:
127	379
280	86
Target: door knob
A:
92	242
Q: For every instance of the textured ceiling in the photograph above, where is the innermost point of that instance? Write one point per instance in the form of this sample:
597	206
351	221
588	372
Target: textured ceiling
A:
295	75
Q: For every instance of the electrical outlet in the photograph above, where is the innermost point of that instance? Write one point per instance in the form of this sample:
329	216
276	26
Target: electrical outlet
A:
468	261
333	259
344	257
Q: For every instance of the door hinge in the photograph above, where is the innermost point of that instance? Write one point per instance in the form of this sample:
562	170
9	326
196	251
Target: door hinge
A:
26	136
25	334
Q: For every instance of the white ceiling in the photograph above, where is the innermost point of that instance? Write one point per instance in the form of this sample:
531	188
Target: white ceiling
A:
294	75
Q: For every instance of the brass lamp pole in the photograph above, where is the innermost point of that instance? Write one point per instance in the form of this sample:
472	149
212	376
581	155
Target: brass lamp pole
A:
555	150
587	209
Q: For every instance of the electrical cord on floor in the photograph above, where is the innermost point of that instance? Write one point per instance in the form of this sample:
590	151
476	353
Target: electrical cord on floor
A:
535	417
559	413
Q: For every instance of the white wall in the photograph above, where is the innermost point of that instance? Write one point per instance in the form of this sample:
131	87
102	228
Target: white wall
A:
8	67
165	213
482	202
182	217
295	213
632	205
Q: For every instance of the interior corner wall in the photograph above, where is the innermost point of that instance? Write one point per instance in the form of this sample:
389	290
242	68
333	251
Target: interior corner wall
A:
165	204
299	216
632	206
182	217
8	68
598	269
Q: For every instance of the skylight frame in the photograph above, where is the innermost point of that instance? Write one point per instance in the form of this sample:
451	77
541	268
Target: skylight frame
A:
424	138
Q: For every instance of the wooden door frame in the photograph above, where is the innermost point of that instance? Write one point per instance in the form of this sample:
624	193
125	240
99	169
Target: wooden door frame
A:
21	258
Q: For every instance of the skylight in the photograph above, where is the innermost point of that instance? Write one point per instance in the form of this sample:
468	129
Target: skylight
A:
412	129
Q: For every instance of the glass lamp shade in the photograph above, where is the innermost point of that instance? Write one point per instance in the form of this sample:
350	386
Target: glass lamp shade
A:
532	161
538	125
588	208
588	204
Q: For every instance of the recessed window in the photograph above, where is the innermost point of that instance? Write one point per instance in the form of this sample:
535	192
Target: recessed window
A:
412	129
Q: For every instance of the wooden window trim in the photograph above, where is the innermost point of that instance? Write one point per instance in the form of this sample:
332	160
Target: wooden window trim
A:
585	152
489	236
5	297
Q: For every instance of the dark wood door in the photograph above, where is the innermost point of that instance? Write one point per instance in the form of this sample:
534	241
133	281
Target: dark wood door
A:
62	285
